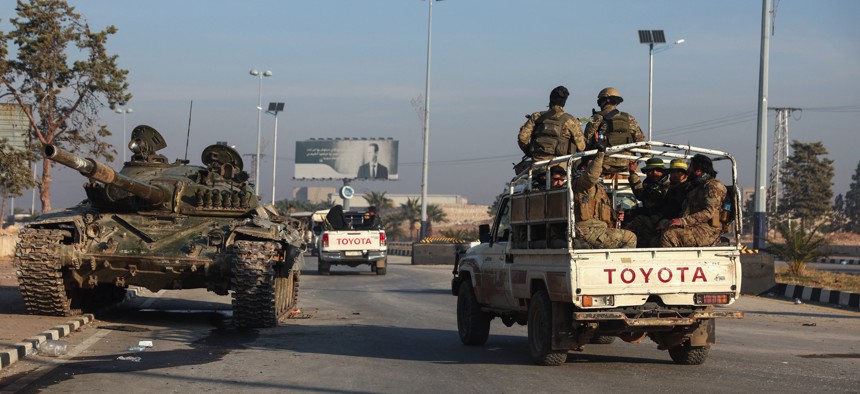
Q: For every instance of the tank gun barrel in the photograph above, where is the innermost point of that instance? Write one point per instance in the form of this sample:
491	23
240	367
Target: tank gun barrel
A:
102	173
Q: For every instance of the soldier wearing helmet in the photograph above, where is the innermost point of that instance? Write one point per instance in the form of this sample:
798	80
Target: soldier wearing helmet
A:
699	223
551	133
651	192
613	127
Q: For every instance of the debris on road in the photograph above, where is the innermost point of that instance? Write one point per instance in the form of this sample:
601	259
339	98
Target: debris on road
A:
53	348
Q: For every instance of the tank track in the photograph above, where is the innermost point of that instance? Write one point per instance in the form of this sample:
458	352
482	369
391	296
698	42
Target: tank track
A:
40	276
261	291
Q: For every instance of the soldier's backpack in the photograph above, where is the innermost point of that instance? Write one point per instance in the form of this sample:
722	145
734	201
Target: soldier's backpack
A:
548	136
616	128
728	210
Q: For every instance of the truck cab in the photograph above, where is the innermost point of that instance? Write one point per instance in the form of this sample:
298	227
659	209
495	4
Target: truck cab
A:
532	269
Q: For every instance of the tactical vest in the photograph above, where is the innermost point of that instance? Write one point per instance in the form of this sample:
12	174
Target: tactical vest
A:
594	204
548	137
616	128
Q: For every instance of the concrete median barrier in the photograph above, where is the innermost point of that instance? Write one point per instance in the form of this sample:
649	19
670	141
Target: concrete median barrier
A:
758	273
440	253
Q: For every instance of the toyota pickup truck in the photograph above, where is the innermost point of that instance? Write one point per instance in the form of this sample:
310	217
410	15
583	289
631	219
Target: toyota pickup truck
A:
353	246
530	270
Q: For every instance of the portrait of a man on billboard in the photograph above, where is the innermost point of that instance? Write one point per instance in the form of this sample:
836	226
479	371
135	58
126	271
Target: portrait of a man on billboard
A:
371	168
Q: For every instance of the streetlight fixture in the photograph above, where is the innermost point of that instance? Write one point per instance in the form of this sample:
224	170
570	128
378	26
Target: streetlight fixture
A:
259	74
652	37
424	224
123	111
274	108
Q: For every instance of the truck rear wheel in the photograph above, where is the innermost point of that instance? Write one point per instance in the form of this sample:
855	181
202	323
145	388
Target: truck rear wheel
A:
382	270
689	355
473	324
323	267
540	331
602	339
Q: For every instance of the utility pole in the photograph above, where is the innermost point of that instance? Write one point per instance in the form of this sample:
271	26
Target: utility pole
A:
760	214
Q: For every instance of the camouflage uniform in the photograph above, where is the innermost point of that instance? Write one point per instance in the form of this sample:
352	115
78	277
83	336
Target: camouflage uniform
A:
618	128
549	134
700	221
652	195
595	218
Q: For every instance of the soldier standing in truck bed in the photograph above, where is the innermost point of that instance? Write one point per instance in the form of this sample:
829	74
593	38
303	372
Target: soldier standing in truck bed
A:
551	133
613	127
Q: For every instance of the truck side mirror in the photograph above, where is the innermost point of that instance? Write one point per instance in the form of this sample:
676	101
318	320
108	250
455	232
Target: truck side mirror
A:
484	233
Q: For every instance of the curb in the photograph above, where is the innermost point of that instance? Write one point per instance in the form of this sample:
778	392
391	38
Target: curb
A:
817	294
837	261
29	345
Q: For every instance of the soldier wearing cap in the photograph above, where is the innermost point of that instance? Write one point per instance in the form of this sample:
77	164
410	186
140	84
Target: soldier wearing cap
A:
651	192
551	133
613	127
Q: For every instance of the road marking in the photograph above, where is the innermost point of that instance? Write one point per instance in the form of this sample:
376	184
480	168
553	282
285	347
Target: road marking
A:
52	364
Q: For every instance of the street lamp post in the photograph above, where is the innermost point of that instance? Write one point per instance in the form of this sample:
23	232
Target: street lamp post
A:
259	74
424	224
652	37
123	111
274	108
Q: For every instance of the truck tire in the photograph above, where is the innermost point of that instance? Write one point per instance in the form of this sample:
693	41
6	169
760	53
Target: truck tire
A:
323	267
689	355
473	324
382	270
540	331
602	339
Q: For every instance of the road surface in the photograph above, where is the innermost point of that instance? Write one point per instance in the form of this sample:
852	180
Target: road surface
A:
363	333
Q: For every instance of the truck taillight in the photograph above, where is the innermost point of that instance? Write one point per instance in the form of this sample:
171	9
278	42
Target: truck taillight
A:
325	240
588	301
712	298
381	239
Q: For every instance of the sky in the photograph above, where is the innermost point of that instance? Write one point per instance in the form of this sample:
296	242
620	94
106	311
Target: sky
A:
349	69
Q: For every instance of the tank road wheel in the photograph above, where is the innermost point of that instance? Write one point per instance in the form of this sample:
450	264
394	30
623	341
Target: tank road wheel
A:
473	324
685	354
40	275
253	283
384	269
540	331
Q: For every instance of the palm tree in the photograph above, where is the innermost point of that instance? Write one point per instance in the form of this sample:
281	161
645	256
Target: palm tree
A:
801	245
434	215
378	200
411	211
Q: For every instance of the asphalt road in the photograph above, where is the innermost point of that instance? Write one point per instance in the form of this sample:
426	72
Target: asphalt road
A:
363	333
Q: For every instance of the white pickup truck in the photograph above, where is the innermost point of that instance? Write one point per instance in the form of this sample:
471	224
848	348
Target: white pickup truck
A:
570	296
353	246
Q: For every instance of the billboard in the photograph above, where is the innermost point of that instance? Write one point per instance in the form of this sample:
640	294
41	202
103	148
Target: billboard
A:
14	125
361	159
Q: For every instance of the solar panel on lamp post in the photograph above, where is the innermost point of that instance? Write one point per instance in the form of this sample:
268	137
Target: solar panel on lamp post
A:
274	109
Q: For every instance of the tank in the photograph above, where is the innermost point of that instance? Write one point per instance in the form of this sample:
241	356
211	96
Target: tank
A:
161	225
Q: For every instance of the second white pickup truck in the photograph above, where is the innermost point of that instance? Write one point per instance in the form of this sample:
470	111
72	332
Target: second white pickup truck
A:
353	246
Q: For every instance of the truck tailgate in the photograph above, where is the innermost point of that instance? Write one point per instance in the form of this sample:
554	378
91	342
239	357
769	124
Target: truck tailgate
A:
353	241
657	271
